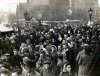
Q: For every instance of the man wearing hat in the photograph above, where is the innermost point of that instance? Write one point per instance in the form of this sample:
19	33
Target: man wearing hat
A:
29	68
85	46
46	69
28	43
84	58
7	59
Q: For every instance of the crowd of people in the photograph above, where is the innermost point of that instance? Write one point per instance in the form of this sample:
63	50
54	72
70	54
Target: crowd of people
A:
65	50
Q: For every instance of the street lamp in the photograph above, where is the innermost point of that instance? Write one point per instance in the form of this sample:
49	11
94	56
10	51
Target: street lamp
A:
90	13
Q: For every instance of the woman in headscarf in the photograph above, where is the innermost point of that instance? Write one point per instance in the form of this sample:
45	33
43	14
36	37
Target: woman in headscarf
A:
66	70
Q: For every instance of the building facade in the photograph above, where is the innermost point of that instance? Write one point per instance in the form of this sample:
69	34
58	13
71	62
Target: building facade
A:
58	9
81	7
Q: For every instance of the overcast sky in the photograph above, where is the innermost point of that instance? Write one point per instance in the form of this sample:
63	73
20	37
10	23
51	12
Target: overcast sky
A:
10	5
99	2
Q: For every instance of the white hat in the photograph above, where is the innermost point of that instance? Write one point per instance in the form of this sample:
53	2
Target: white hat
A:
51	30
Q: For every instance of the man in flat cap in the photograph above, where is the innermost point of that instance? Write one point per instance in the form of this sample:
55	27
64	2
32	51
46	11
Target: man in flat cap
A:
46	69
84	58
29	68
8	59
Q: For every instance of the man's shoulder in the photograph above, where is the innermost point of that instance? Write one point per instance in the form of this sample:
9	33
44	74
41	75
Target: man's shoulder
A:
16	56
37	73
64	73
48	46
81	52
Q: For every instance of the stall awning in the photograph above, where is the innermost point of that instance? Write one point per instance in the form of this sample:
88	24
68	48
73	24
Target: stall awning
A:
5	29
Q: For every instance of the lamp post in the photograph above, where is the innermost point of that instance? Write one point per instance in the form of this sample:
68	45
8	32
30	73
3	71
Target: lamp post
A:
90	13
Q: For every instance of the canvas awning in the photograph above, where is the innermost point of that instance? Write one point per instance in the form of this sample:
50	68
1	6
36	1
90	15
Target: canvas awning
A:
5	29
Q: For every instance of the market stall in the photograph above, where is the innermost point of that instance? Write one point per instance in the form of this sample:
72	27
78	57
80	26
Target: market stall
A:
5	30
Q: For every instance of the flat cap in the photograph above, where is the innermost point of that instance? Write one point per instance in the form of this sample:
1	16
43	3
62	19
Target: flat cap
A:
7	54
46	62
